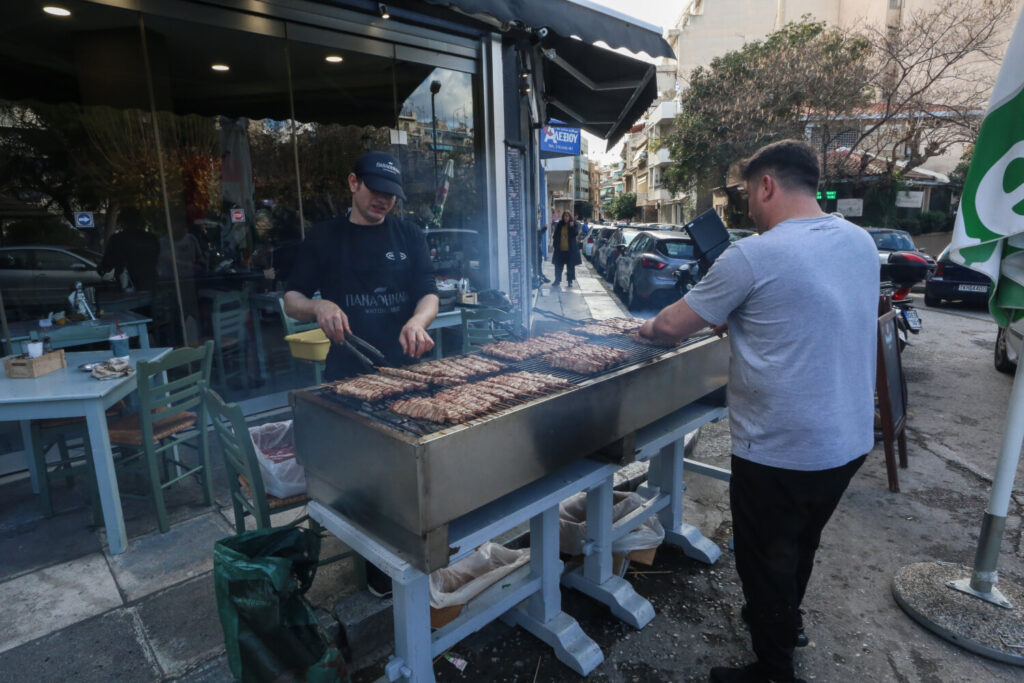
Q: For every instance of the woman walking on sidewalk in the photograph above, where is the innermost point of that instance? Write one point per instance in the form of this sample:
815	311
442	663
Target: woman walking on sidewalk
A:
565	249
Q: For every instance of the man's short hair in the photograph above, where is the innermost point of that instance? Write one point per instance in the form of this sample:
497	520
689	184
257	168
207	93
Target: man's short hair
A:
793	164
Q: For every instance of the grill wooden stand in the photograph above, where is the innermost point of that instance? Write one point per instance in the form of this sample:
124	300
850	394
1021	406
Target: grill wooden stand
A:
530	597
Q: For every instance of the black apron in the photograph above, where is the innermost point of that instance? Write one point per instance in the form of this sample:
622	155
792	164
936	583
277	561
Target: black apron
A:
377	297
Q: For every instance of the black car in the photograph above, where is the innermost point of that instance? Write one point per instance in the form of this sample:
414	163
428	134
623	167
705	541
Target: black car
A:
595	239
953	282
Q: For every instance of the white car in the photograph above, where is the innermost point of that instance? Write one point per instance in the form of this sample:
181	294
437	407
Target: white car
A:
1008	345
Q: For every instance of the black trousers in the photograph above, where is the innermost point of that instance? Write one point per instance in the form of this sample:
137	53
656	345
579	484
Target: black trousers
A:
778	516
563	259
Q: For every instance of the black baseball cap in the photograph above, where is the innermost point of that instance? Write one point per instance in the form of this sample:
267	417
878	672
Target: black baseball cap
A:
380	172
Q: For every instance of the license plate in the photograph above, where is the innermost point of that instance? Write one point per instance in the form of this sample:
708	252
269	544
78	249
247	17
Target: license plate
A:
973	288
913	321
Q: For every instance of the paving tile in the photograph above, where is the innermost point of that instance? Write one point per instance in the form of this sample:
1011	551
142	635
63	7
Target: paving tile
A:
106	648
47	541
157	561
214	671
49	599
182	626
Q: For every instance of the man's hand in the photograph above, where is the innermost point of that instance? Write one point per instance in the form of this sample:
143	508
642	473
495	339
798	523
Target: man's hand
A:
647	329
720	330
332	320
414	339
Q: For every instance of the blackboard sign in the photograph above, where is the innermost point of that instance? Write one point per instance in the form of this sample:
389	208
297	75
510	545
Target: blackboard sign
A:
892	397
517	267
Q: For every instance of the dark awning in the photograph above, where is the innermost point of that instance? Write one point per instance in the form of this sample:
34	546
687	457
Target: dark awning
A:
569	18
601	91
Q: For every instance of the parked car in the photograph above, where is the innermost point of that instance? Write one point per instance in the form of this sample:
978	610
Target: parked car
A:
953	282
606	255
40	276
901	262
1008	345
595	240
645	271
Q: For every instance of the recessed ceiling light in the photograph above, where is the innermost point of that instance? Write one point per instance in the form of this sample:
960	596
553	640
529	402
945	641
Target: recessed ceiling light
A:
220	67
333	59
57	11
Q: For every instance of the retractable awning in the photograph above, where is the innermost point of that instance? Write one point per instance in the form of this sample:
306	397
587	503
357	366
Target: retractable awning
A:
601	91
580	18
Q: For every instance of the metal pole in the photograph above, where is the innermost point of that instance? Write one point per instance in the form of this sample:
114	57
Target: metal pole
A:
984	577
433	128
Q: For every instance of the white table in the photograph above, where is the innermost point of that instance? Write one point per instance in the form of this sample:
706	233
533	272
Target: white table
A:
69	392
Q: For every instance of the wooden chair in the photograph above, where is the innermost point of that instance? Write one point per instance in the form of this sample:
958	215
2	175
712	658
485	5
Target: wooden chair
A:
230	335
168	414
482	326
291	326
248	494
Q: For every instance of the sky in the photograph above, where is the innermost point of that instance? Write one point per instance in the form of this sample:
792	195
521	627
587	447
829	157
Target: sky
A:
661	13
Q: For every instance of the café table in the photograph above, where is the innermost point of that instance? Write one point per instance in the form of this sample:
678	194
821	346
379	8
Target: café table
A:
132	324
70	392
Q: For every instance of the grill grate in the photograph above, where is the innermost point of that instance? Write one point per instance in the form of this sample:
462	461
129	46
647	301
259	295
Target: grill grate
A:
638	353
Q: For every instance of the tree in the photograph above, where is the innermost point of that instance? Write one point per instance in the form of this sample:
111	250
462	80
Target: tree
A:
622	206
930	77
763	92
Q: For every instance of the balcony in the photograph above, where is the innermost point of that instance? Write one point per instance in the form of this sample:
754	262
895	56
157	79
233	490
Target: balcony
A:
641	198
660	157
659	195
663	112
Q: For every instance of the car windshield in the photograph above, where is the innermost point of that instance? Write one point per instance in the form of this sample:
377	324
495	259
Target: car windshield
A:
893	241
677	249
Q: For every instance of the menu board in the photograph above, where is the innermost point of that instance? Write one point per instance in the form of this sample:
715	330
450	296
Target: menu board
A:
517	243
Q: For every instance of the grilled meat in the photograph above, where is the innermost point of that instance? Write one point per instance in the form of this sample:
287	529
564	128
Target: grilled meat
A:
546	343
376	387
587	359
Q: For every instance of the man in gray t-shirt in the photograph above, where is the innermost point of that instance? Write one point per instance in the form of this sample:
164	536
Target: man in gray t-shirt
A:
800	303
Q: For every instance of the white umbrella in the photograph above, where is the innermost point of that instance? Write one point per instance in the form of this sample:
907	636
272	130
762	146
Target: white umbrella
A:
988	237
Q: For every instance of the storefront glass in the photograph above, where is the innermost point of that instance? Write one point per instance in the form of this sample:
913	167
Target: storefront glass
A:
258	122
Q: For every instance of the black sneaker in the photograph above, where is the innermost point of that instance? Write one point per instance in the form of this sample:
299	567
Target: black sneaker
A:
751	673
377	582
801	637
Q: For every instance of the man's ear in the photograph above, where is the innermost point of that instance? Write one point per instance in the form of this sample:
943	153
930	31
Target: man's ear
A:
353	182
768	186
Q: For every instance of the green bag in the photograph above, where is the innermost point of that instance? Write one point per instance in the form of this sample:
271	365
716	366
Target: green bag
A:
270	631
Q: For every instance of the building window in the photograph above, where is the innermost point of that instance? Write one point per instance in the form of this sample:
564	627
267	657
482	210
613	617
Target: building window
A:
895	4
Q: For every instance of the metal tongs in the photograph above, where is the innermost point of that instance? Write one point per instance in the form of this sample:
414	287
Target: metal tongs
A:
368	347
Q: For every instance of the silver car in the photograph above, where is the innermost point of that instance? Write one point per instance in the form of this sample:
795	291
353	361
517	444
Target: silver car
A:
43	275
1008	345
645	271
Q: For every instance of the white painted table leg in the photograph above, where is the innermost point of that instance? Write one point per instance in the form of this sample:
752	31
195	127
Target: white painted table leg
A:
30	460
666	473
542	613
412	661
596	579
106	478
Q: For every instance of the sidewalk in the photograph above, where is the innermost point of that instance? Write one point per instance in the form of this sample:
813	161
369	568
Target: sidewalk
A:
589	297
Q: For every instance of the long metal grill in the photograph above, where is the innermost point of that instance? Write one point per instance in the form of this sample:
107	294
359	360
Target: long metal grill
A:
379	412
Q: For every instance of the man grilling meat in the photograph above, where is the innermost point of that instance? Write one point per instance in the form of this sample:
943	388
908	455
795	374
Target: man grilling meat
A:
373	272
800	387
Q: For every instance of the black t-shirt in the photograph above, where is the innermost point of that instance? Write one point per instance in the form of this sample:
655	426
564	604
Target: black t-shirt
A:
375	273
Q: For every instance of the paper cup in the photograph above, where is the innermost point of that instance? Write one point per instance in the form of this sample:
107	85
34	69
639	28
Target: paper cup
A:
119	345
35	349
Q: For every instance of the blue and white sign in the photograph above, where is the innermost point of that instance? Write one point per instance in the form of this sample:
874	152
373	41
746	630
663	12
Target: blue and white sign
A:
84	219
558	140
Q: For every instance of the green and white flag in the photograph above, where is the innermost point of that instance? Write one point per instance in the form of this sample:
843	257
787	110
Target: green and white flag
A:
989	231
